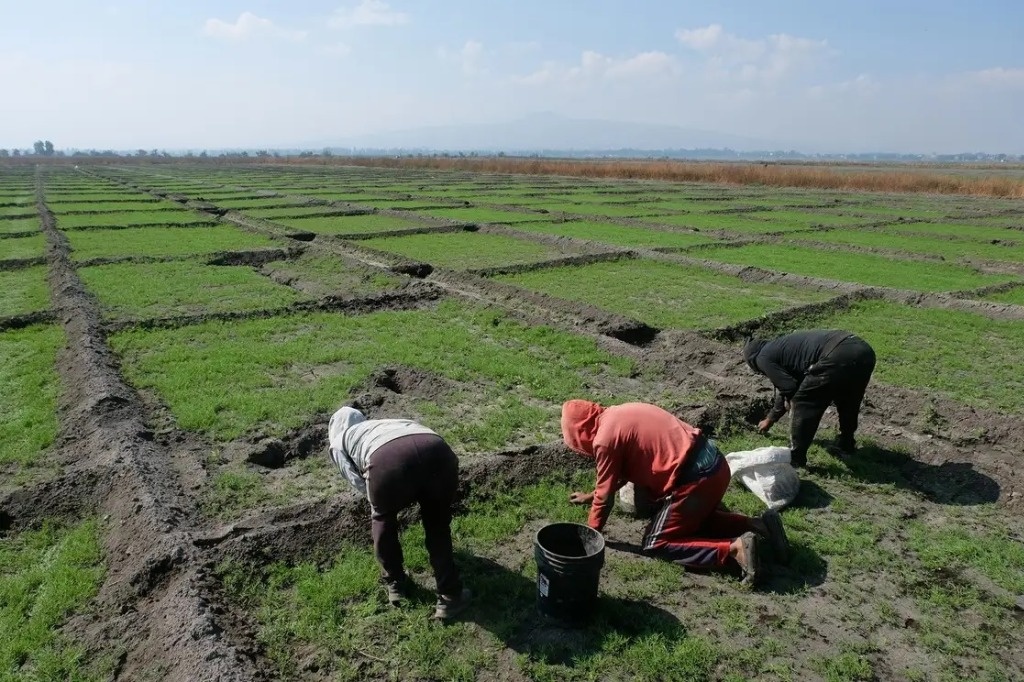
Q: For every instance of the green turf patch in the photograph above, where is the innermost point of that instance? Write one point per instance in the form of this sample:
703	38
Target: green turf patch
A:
618	235
462	250
132	218
338	611
264	202
959	230
608	210
46	576
860	268
937	351
162	241
24	291
22	247
1015	296
351	224
276	374
20	225
664	294
320	276
28	393
181	288
481	215
952	249
736	222
73	196
112	206
793	220
297	211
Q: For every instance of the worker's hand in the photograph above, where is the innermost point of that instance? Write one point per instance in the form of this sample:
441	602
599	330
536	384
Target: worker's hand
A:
764	426
581	498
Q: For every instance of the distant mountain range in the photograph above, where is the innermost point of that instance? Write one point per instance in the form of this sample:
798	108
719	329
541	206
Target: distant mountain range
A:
548	131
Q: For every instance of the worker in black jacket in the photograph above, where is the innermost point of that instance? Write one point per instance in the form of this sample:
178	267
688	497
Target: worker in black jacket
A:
811	370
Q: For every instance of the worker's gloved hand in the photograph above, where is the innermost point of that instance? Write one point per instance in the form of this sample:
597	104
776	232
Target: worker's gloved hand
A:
764	426
581	498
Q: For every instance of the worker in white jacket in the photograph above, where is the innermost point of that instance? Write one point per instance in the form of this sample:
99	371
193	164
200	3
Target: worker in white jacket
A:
394	463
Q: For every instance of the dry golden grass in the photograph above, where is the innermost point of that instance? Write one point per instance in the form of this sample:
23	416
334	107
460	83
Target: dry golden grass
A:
822	176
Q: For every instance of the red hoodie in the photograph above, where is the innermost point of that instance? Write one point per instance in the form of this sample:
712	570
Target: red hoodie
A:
632	442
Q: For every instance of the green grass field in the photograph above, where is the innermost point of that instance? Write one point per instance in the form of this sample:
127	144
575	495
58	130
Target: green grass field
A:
162	241
270	388
463	250
663	294
22	247
952	249
25	291
180	288
1015	296
481	215
112	206
20	225
319	276
861	268
178	217
351	224
47	575
28	394
617	235
733	222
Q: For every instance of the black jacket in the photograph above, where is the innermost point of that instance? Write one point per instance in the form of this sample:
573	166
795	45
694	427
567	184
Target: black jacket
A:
785	360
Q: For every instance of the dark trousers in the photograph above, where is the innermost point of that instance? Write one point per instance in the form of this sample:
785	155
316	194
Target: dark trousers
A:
422	469
690	528
841	377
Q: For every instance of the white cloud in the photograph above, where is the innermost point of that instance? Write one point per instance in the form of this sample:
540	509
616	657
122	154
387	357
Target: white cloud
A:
469	57
367	13
249	26
336	50
594	65
999	77
765	60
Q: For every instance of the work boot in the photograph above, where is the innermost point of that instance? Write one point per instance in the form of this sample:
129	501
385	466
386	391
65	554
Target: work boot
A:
776	535
397	591
449	606
748	559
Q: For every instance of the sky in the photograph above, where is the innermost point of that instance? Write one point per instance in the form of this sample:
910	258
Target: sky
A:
934	76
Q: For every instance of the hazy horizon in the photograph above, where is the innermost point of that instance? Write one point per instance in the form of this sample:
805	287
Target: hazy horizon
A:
918	77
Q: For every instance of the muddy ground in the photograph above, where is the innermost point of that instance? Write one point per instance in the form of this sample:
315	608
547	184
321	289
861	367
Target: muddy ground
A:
160	611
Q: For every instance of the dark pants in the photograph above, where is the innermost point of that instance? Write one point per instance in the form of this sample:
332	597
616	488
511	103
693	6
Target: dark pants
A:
690	528
422	469
840	377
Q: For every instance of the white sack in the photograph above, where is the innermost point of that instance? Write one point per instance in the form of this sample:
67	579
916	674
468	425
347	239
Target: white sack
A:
767	472
635	501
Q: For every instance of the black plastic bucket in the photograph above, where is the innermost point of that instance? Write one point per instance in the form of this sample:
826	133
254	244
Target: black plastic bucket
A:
569	560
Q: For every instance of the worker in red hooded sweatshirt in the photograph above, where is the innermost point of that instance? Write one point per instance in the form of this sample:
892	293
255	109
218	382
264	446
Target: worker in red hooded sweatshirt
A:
683	470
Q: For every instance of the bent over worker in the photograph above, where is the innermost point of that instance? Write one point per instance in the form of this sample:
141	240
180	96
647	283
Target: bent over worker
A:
395	463
681	468
811	370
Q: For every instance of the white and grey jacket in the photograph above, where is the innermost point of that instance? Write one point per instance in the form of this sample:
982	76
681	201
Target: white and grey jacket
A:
353	439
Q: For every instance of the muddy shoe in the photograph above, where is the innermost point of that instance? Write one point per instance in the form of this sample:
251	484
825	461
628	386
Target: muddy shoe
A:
397	591
776	535
449	606
748	559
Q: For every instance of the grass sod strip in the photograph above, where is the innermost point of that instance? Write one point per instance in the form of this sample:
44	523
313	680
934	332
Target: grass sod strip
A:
480	215
340	610
663	294
22	247
617	235
609	210
112	206
803	219
963	230
24	291
736	222
131	218
179	288
47	575
20	225
462	250
947	248
853	267
162	241
947	352
296	211
28	392
229	379
351	224
320	276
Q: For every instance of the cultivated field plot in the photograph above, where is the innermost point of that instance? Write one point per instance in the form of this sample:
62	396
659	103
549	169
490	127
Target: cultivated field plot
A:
168	510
